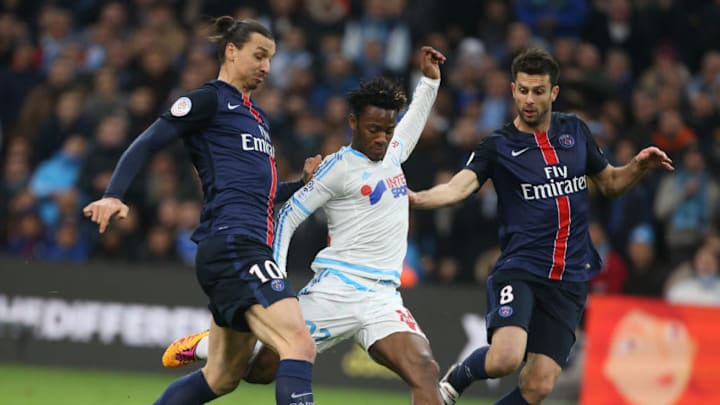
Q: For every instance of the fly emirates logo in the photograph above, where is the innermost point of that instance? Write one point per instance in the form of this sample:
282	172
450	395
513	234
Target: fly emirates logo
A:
557	184
250	142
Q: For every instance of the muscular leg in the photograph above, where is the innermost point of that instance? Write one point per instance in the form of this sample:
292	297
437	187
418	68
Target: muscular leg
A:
264	368
228	354
227	362
281	327
506	352
409	355
501	358
538	377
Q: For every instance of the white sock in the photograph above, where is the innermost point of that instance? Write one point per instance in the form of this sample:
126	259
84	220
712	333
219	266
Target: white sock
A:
201	351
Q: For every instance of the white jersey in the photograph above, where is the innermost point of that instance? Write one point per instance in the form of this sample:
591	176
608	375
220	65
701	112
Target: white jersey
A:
365	202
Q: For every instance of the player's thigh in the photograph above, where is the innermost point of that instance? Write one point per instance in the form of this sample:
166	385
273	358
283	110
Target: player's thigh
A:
281	326
539	373
228	355
510	305
556	315
384	314
237	273
407	354
329	320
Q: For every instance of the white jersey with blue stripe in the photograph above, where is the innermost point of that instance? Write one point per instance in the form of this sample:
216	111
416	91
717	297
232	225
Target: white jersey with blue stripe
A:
365	202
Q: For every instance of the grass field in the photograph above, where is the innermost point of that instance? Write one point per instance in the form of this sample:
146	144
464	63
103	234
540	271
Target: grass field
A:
28	385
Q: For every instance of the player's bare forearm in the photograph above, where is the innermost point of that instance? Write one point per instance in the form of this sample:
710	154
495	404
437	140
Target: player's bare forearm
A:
436	197
615	181
622	179
442	195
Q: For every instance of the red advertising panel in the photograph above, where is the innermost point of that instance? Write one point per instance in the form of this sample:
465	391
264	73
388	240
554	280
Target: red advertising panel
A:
648	352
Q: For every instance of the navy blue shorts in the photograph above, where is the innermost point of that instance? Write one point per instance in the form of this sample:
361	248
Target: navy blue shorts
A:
237	272
549	310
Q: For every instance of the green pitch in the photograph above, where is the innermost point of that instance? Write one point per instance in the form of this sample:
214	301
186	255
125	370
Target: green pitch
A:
27	385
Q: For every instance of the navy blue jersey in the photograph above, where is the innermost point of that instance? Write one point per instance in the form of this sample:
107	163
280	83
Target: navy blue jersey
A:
543	204
229	143
228	139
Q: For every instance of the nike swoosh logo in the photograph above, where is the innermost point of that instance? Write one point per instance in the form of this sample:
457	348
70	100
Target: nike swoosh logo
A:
294	395
519	152
232	107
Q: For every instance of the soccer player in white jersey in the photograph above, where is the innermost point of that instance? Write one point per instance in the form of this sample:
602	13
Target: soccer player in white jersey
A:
363	192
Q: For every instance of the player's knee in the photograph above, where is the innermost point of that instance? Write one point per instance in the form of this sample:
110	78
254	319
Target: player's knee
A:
500	363
535	389
303	346
423	370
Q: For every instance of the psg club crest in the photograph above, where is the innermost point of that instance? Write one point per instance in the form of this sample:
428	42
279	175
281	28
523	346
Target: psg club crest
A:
566	141
277	285
505	311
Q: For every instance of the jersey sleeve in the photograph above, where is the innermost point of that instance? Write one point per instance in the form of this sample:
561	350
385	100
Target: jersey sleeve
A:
413	122
596	160
189	113
482	158
154	138
327	183
193	111
287	188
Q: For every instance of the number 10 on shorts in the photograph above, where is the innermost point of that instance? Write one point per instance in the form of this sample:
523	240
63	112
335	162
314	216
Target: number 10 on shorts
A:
271	271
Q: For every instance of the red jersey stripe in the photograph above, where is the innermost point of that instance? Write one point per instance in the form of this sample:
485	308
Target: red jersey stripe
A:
561	237
548	152
271	197
253	111
563	210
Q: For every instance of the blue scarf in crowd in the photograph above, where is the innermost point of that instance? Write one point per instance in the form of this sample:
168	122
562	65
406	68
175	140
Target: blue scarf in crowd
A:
692	212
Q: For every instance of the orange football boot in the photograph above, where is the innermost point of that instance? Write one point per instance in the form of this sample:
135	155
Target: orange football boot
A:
182	351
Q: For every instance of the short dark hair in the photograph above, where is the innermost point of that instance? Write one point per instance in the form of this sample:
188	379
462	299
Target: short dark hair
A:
536	61
379	92
228	29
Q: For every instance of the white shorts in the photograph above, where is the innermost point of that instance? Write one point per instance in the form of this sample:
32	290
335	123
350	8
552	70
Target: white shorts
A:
338	306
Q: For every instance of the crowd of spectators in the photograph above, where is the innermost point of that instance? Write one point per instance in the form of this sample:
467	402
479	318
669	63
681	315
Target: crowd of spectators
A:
79	80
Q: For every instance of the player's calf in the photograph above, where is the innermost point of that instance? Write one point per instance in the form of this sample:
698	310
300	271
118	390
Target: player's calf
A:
263	367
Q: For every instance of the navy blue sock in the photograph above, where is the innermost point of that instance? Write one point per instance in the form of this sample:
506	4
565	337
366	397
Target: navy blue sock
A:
471	369
191	389
513	398
293	383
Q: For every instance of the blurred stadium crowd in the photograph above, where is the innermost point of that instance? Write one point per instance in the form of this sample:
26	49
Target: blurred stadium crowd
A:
80	79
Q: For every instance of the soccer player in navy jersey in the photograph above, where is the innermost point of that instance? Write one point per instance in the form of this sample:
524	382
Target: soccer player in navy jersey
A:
229	142
537	290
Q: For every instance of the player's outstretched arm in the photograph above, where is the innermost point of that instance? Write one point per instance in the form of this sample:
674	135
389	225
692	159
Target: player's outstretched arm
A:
457	189
156	136
614	181
410	127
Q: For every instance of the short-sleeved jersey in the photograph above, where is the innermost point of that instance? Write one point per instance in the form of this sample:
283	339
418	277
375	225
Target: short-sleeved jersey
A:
541	183
228	139
365	202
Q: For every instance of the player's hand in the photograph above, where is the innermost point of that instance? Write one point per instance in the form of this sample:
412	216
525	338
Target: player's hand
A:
430	62
654	158
102	210
310	166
